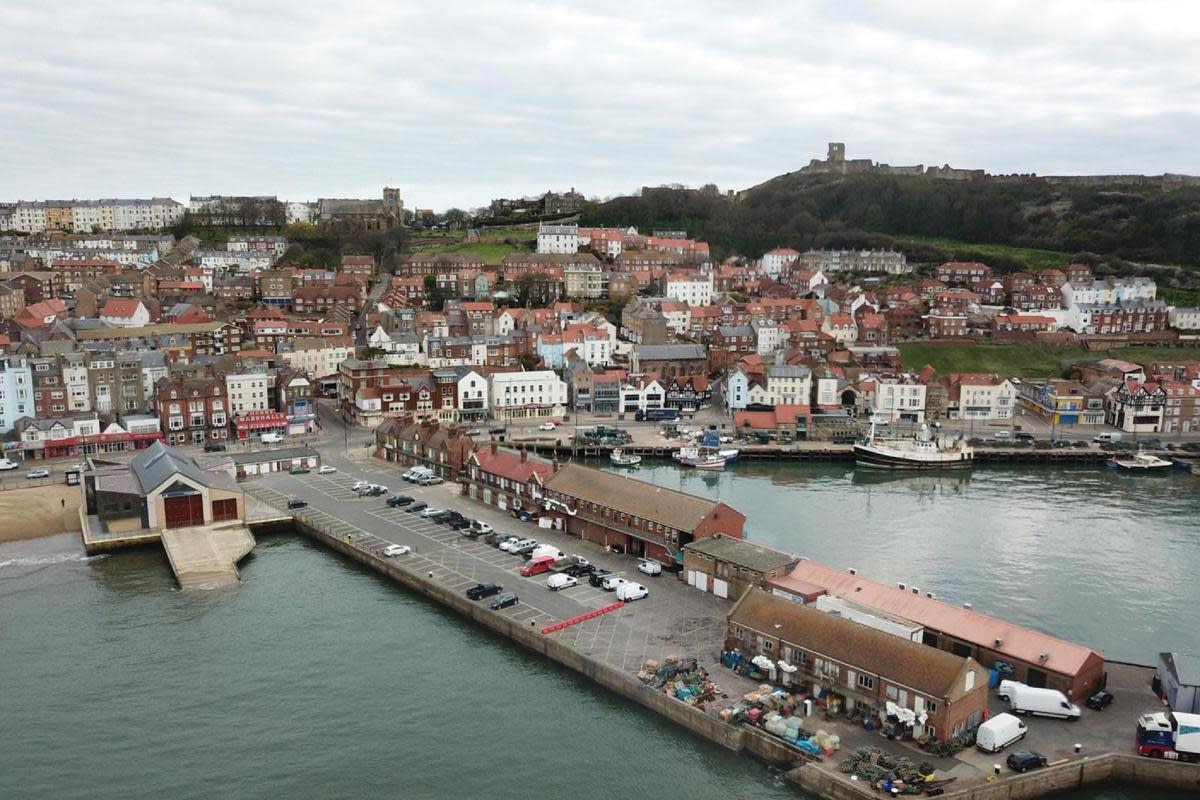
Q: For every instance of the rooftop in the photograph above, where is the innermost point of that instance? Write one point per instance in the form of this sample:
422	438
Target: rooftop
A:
740	552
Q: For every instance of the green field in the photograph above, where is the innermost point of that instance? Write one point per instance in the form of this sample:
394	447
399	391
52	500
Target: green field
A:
490	253
1026	360
1032	258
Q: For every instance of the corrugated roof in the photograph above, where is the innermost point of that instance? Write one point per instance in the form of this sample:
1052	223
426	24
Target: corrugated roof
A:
1022	644
740	552
927	669
158	462
1186	667
666	506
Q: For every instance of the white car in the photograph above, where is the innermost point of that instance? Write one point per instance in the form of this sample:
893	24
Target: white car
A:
359	485
481	527
560	581
546	426
271	438
650	567
1002	434
628	592
612	583
326	470
396	550
429	512
39	473
6	464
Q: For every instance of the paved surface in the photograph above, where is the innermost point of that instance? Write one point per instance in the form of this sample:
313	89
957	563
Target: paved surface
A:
207	557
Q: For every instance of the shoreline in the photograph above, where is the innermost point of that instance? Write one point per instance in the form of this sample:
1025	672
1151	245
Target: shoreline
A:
37	511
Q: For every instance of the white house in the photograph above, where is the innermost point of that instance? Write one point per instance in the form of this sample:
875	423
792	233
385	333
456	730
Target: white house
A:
736	391
558	239
125	312
247	391
16	391
695	290
1185	319
539	393
402	349
981	397
678	316
900	398
594	345
780	384
774	262
841	327
315	356
472	393
642	395
1107	292
769	335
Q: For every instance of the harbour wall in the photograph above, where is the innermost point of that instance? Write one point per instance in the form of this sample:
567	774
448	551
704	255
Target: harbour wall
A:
809	777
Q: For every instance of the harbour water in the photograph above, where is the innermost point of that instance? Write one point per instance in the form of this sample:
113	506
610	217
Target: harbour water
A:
316	679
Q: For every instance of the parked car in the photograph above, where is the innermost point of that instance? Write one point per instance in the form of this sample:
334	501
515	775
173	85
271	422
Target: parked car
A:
271	438
649	566
1026	699
375	490
430	480
417	506
430	511
482	590
523	546
5	464
495	538
454	517
396	550
39	473
474	432
546	426
628	592
998	732
481	527
326	470
1024	436
536	567
397	500
464	528
613	582
597	576
498	430
560	581
359	485
299	470
296	502
441	518
214	447
579	570
1025	760
503	601
1100	700
1002	435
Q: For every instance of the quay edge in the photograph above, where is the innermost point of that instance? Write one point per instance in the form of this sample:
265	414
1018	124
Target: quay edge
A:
830	453
1119	768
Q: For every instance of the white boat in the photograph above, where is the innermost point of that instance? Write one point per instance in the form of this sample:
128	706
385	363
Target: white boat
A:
618	458
699	457
1139	462
921	451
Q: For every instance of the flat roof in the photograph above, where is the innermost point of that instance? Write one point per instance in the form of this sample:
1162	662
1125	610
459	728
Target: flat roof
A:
259	456
740	552
1185	667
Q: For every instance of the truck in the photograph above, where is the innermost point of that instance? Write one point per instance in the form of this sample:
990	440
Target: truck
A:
1034	700
1171	735
656	414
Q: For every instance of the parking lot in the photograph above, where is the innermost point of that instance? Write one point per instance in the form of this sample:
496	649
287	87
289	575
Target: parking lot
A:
673	619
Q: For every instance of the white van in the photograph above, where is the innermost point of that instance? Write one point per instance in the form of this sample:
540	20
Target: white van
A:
1106	438
417	473
271	438
1032	700
999	732
543	550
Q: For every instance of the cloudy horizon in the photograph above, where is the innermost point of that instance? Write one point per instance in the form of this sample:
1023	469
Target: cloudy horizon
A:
476	100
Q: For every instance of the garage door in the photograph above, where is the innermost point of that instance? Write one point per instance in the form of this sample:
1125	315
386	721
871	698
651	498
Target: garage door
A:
184	510
224	510
720	587
698	579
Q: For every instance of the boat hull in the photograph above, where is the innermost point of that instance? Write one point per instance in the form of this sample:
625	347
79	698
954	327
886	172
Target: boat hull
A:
865	456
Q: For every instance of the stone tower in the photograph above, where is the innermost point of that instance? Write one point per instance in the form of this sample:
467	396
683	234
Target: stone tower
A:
837	152
393	204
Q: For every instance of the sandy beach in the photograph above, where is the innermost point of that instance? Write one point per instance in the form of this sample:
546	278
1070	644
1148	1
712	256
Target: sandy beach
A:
38	511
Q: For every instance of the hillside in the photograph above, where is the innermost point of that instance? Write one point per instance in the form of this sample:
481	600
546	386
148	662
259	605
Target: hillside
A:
931	219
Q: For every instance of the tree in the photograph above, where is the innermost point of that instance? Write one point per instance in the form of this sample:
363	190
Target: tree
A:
457	218
300	230
529	361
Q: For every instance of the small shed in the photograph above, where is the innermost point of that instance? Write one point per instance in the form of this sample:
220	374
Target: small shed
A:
727	566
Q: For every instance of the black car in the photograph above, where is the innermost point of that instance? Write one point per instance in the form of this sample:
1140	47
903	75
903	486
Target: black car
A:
461	524
455	516
498	429
214	447
467	531
579	570
496	537
440	517
598	576
482	590
296	502
1100	700
399	500
417	506
1025	760
1023	436
503	601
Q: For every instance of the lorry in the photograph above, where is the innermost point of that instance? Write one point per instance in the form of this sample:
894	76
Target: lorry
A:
1171	735
1033	700
656	414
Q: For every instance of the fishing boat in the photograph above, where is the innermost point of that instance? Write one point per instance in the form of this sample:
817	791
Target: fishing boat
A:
922	451
699	457
712	441
619	458
1139	462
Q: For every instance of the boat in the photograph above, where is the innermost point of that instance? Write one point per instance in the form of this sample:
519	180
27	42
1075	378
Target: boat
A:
713	442
921	451
699	457
1139	462
618	458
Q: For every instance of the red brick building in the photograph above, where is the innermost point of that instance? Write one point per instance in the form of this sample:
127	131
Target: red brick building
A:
192	410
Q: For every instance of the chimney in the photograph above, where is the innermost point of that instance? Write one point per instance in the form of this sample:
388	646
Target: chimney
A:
493	445
554	462
524	454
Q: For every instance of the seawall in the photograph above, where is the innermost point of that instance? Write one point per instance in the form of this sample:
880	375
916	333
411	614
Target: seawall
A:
820	781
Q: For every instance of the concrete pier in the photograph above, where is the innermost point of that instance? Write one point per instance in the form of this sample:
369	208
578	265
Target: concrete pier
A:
207	557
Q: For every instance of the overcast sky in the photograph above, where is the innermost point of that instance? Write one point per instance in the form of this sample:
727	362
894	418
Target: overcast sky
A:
459	102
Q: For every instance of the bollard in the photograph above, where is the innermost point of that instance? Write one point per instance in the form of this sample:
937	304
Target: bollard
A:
1078	747
431	576
996	770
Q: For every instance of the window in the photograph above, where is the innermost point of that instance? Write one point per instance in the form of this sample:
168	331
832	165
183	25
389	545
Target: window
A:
866	682
931	706
768	646
891	693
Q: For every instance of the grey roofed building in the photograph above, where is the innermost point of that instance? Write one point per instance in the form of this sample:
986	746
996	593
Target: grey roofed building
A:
158	462
671	352
741	553
1185	667
731	331
278	454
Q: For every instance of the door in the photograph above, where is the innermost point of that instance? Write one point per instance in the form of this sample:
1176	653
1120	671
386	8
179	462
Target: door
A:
720	587
182	511
1035	678
223	510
